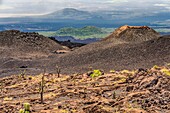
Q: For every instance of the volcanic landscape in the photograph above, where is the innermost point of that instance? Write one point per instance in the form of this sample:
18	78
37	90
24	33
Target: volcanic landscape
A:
133	64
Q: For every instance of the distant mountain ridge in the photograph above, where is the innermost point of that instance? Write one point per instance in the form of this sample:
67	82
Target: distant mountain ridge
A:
70	17
71	13
77	14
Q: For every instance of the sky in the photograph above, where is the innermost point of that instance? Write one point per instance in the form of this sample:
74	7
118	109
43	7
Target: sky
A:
15	8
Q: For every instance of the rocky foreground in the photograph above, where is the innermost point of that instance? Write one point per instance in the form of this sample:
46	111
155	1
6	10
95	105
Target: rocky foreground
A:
139	91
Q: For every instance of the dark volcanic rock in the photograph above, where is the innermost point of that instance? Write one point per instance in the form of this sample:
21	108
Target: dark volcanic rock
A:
25	51
19	42
156	88
111	53
108	54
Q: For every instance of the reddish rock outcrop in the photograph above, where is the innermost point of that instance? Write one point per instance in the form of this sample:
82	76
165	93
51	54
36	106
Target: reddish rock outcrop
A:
133	34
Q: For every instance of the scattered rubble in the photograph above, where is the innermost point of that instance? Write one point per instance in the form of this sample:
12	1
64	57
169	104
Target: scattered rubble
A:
140	91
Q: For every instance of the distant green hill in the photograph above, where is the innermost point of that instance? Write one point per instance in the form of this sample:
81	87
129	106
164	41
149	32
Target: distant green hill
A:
88	30
81	33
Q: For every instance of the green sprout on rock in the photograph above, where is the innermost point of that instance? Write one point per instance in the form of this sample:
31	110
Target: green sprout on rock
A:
22	74
26	108
96	73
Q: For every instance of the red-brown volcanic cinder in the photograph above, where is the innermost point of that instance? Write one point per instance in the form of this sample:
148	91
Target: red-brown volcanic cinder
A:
133	34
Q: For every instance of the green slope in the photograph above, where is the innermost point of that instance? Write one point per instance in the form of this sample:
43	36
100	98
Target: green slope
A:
81	33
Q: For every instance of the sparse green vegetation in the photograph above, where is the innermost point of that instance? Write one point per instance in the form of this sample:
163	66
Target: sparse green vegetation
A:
162	69
22	74
81	93
96	73
80	33
112	71
166	71
88	30
26	108
156	67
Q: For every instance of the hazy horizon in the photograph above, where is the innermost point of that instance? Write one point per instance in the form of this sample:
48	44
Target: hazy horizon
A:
19	8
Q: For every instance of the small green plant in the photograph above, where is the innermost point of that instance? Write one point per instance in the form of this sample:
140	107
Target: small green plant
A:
22	74
156	67
112	71
96	73
21	111
26	108
166	71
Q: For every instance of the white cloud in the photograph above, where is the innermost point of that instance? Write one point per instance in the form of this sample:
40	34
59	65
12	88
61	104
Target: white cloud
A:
45	6
18	15
5	7
161	5
116	1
